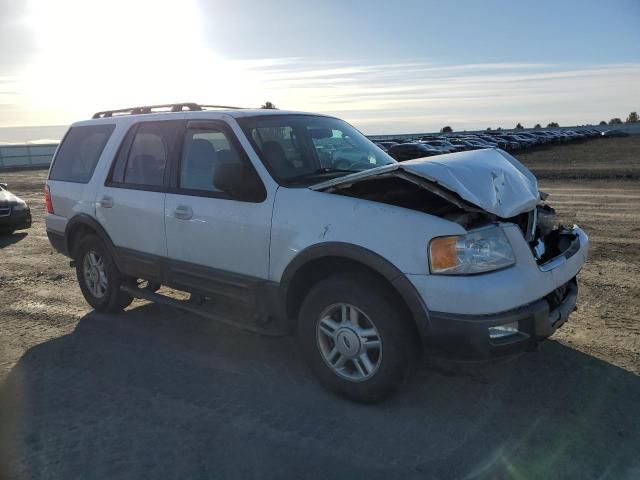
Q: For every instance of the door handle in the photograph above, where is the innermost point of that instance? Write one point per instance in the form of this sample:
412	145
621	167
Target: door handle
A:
183	212
106	202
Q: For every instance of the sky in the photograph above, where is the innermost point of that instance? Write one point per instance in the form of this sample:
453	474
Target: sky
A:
385	66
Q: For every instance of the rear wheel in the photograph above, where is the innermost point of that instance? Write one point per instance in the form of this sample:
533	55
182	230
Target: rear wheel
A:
98	276
355	338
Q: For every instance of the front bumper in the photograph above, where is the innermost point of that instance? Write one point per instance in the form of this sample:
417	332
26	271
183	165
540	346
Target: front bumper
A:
16	220
466	337
503	290
539	298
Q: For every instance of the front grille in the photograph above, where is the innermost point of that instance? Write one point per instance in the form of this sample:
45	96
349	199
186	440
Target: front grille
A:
5	211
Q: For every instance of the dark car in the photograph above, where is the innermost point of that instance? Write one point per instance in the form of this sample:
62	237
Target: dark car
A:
511	144
14	212
409	151
385	145
615	133
476	140
442	145
468	144
499	142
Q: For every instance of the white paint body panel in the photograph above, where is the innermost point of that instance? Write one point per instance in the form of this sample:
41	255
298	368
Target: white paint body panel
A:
303	217
223	234
135	221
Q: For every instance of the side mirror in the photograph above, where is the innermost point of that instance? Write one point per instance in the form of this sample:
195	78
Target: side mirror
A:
4	185
227	177
244	184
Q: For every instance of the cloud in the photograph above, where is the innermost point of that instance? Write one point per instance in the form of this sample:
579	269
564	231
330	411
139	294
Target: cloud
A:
394	97
415	96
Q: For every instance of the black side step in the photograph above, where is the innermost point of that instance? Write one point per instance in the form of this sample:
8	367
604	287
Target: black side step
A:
266	329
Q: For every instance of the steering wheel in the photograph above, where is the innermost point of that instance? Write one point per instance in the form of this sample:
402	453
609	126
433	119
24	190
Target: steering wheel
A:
342	164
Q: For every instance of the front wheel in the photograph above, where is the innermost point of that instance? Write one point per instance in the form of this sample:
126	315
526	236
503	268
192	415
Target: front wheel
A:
99	277
355	339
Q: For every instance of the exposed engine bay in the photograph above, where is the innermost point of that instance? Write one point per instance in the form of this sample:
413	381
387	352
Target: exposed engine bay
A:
539	226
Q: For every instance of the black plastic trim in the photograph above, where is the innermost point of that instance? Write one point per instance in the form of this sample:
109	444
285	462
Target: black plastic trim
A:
93	224
58	242
466	337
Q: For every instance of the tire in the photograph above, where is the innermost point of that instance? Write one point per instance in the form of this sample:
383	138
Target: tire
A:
104	296
389	366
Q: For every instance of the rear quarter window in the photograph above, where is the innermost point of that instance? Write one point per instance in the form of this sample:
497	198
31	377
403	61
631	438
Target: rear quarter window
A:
79	152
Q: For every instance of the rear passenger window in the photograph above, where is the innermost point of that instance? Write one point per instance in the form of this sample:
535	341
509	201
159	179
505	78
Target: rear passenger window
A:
147	158
144	155
79	152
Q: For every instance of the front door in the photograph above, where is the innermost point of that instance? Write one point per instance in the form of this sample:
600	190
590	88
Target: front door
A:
217	214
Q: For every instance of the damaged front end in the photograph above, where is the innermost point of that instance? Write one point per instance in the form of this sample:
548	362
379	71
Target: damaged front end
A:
550	242
473	189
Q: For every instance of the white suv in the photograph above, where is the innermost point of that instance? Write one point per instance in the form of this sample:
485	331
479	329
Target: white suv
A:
282	222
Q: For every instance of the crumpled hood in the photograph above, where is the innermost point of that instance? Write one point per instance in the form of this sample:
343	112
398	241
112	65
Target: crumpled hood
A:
490	179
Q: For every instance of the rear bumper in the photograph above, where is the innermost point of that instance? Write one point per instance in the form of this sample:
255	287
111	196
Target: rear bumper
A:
58	242
466	337
16	220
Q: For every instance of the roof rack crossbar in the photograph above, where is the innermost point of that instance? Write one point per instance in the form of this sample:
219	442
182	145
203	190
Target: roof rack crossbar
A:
173	107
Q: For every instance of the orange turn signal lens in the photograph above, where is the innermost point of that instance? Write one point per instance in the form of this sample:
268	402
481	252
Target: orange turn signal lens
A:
442	253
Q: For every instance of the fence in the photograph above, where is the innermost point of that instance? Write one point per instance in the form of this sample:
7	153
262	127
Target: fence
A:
28	155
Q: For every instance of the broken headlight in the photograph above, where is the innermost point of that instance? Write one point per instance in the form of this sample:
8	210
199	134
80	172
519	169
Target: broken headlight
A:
482	250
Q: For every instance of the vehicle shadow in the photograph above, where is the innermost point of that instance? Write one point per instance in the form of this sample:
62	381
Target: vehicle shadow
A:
6	240
157	393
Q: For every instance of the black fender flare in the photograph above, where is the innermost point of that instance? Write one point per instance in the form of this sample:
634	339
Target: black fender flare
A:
370	259
90	222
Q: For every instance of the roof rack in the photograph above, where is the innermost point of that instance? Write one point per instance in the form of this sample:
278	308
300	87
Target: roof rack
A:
169	107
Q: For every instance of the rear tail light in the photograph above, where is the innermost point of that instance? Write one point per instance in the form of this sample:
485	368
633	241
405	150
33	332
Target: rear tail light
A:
47	199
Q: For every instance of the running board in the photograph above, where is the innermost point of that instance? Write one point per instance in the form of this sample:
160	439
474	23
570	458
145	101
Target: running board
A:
267	329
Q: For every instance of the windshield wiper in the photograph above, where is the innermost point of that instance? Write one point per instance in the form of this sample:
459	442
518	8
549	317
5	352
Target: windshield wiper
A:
320	171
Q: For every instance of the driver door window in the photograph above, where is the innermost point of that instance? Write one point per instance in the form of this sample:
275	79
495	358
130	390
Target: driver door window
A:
203	152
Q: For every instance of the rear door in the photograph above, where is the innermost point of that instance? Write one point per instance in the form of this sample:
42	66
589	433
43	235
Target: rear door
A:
131	203
217	235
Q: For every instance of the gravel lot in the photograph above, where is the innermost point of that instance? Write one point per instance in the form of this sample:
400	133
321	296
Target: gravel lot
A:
158	393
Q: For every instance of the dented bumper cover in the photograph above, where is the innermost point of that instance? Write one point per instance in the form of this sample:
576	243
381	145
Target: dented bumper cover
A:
466	337
461	309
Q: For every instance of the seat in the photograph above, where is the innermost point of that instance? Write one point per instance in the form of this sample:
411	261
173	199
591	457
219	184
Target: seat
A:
277	159
198	166
145	169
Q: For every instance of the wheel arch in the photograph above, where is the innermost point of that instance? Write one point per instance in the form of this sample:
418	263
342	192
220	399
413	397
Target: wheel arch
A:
319	261
84	224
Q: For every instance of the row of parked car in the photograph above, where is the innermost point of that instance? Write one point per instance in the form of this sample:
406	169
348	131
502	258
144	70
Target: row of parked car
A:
438	144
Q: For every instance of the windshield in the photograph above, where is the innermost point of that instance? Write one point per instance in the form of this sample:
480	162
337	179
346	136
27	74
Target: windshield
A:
305	149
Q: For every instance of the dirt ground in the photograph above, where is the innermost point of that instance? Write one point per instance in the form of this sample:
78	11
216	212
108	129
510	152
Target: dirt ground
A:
158	393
